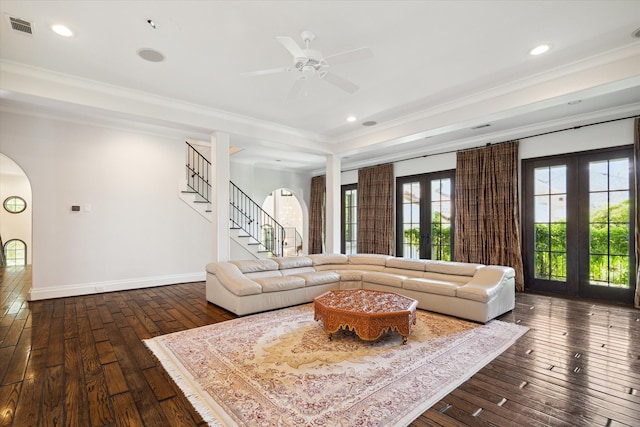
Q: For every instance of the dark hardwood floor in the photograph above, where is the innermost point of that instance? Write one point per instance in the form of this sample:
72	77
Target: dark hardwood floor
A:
80	361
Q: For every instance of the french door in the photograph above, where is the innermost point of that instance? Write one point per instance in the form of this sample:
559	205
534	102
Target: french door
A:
578	224
425	213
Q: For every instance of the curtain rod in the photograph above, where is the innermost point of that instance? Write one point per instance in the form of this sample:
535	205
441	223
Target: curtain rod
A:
513	139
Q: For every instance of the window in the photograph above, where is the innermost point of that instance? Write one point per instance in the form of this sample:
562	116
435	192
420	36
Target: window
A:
349	221
15	204
15	252
578	224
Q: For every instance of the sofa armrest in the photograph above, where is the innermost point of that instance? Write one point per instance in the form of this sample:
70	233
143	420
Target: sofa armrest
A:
492	275
232	279
487	283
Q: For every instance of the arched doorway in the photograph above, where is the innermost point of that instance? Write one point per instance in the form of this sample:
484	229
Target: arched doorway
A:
283	205
15	213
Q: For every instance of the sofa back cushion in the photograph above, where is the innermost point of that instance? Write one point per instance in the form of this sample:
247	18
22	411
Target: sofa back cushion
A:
369	259
452	278
454	268
292	262
407	264
322	259
403	272
263	274
253	265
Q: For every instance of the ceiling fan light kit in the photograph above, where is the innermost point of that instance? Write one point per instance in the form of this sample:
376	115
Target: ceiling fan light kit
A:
310	62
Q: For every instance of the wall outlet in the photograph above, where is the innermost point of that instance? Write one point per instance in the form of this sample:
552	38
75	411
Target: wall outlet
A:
100	289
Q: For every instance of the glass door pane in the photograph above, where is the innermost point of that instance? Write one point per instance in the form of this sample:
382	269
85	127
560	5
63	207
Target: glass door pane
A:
441	219
411	196
550	216
609	223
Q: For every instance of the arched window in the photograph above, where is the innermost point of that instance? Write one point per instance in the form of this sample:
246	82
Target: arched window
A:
15	251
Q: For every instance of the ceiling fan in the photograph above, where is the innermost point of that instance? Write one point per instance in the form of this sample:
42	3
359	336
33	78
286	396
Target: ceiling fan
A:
309	63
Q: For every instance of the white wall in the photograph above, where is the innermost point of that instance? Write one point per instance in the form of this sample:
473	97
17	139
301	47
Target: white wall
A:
604	135
16	226
133	230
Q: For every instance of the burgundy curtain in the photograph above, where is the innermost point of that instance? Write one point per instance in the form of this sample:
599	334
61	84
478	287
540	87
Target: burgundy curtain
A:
317	215
487	220
636	162
375	210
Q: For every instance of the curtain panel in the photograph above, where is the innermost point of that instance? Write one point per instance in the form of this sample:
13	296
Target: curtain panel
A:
317	214
375	210
487	208
636	163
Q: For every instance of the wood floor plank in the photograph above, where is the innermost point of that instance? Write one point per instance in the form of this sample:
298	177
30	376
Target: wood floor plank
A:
80	361
53	398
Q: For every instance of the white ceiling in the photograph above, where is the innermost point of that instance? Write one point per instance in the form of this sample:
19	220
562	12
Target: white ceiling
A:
438	69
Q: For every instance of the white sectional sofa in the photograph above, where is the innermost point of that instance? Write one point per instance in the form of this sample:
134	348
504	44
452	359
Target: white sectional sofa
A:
470	291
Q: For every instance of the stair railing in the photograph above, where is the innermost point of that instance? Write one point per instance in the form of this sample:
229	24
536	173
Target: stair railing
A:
253	220
292	241
243	211
198	168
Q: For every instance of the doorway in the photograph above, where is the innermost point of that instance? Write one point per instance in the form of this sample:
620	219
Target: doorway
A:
283	205
578	224
425	207
15	214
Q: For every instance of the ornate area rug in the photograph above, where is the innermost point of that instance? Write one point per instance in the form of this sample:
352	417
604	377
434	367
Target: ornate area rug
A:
280	369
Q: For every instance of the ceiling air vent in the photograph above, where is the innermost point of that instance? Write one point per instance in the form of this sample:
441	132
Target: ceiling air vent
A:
21	25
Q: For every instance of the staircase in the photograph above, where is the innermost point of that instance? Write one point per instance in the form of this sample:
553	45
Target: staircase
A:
251	227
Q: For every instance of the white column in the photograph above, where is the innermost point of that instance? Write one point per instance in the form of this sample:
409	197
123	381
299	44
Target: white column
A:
332	211
220	195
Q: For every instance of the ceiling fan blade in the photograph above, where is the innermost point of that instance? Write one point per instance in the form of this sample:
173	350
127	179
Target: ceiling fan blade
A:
291	45
267	71
296	89
349	56
340	82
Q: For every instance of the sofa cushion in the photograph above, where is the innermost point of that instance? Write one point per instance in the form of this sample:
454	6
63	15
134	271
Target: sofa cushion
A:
386	279
321	259
262	274
252	265
361	267
292	262
319	278
350	275
450	267
431	286
461	280
368	259
280	283
297	270
403	272
406	263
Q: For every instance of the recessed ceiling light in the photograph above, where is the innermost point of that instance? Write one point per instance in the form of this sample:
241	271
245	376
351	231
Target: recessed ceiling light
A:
150	55
539	50
351	119
62	30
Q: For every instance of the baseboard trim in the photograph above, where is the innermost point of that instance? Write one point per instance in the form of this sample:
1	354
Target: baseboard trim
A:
112	286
